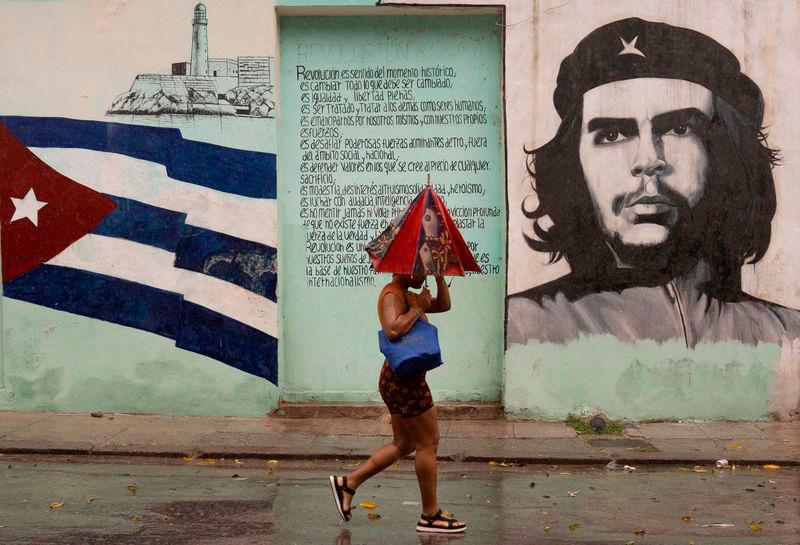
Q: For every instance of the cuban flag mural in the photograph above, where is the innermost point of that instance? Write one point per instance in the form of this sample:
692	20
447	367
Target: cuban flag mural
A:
139	226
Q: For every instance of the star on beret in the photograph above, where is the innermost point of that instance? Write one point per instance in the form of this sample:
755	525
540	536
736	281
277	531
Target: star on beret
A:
629	48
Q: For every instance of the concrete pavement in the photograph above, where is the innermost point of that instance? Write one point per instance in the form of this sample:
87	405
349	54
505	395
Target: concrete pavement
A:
354	438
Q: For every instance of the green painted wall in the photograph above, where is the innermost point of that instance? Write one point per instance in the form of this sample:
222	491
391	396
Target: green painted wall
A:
329	348
640	381
63	362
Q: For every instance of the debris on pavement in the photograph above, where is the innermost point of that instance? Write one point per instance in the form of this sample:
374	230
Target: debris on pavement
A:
719	525
97	414
56	504
410	502
368	504
723	463
132	488
373	516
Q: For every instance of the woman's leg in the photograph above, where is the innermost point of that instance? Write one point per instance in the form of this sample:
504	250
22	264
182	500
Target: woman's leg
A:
424	433
387	454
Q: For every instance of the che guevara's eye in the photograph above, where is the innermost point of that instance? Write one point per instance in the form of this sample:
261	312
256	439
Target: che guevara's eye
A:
680	130
609	136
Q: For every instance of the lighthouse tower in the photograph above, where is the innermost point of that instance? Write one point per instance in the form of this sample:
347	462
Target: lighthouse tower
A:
199	64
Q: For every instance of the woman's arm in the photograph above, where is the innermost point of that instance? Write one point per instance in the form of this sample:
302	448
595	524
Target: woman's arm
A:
395	319
442	301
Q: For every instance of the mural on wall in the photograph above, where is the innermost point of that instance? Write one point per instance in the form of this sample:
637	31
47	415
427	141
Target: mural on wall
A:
144	227
656	189
241	86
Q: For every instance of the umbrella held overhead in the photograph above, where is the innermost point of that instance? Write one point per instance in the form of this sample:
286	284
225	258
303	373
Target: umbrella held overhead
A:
422	240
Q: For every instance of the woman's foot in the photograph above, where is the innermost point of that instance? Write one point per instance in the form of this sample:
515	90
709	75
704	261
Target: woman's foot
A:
342	496
440	522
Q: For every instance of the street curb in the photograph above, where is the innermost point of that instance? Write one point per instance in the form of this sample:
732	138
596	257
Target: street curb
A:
278	455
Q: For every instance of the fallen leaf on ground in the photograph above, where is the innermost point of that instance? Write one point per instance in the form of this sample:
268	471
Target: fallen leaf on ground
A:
771	466
686	518
572	494
699	469
373	516
207	462
574	526
56	504
90	500
630	542
772	482
546	528
780	521
97	414
755	527
132	488
238	462
639	533
565	473
3	526
592	488
136	518
368	504
272	462
735	446
165	518
718	525
238	477
187	458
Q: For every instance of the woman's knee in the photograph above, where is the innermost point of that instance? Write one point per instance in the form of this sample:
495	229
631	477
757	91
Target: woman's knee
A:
404	445
429	441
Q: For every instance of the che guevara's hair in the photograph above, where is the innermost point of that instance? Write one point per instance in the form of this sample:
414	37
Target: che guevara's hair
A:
740	197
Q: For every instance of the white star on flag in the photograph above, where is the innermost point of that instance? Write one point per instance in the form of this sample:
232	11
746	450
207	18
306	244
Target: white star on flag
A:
629	48
27	207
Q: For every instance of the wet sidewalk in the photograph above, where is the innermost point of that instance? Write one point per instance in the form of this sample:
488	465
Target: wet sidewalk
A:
497	440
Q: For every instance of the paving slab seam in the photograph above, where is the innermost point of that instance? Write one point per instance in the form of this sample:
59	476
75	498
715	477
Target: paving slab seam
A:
29	424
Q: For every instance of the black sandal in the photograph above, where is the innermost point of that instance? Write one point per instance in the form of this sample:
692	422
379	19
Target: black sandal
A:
429	526
338	497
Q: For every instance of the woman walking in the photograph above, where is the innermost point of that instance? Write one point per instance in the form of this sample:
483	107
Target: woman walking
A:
414	423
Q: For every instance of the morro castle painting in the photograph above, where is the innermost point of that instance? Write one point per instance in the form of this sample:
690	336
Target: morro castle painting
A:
238	87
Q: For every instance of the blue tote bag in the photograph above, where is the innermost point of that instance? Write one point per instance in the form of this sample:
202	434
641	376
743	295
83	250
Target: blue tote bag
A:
413	353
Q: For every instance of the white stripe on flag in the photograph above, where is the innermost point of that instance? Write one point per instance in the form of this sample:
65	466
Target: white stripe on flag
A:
153	267
123	176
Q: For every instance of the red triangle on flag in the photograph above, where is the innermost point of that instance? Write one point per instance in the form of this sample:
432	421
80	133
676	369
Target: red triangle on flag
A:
41	211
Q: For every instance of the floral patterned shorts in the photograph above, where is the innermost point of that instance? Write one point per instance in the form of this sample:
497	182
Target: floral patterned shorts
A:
409	397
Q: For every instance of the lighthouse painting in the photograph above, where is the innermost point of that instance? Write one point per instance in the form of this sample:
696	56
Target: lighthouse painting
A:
240	86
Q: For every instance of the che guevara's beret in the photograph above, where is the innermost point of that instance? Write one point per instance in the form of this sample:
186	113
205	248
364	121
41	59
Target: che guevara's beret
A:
635	48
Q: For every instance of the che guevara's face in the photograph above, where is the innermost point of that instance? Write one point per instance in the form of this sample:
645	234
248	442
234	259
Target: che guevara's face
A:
643	157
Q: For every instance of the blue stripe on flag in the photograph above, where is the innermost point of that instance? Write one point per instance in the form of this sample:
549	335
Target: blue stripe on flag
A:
243	172
193	327
216	336
242	262
99	296
143	223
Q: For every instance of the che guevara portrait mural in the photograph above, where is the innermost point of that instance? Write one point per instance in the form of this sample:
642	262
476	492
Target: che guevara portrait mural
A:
656	189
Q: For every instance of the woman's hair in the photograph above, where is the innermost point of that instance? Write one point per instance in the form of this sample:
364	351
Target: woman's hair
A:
739	198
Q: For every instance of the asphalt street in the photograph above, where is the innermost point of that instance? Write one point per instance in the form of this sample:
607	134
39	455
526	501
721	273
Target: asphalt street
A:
52	501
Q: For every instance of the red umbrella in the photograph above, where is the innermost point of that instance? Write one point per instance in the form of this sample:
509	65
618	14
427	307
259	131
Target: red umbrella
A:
422	240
